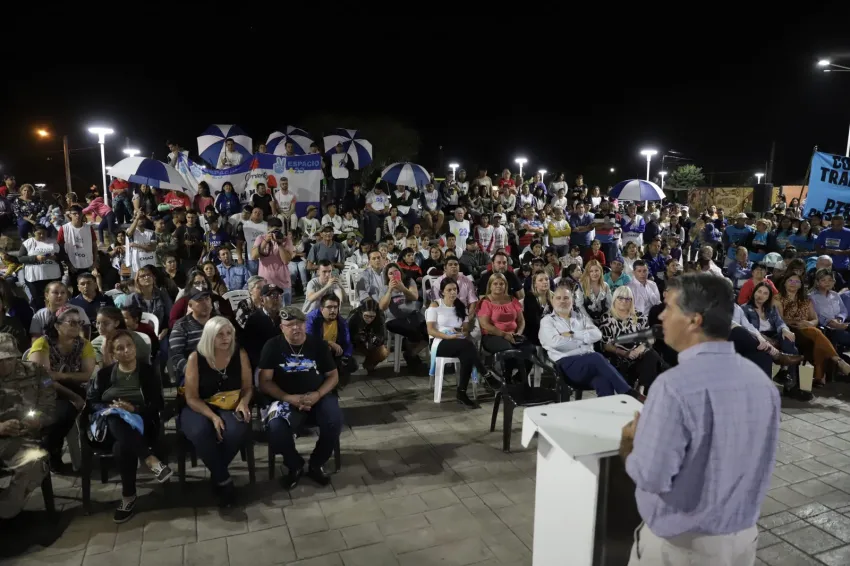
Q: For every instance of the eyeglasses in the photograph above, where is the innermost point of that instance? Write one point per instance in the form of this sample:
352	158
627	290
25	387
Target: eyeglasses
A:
145	276
625	299
75	323
369	315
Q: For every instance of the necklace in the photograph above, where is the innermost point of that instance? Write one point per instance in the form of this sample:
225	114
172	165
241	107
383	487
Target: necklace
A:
300	349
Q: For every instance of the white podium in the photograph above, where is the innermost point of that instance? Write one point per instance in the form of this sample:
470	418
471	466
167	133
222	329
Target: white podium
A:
575	440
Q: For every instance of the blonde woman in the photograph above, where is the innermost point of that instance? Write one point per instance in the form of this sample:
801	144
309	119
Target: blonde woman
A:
536	305
593	297
637	362
217	432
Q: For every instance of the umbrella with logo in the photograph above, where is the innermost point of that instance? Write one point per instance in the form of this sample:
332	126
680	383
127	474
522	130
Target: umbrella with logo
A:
359	150
149	172
406	174
299	139
636	189
211	143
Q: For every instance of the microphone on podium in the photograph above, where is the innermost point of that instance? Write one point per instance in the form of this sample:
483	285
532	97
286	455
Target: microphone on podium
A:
655	331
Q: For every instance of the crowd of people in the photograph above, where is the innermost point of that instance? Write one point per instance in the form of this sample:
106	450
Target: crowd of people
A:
464	268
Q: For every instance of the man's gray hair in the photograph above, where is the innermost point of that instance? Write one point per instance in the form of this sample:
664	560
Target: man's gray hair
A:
254	281
709	296
825	258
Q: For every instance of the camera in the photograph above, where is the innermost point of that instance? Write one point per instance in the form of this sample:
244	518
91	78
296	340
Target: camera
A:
277	234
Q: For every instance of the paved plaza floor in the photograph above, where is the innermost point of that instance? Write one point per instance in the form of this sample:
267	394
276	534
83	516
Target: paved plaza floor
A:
421	484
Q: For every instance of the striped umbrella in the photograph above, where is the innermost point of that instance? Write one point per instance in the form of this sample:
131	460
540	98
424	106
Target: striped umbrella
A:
357	148
406	174
211	142
636	189
148	172
300	140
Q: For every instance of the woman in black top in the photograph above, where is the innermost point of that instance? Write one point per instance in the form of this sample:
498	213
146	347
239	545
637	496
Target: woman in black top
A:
130	388
217	433
536	305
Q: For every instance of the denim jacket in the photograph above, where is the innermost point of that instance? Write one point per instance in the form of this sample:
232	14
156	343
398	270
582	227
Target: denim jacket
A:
772	316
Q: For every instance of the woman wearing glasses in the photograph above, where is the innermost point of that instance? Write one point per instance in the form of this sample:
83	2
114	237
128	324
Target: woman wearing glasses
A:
69	360
151	299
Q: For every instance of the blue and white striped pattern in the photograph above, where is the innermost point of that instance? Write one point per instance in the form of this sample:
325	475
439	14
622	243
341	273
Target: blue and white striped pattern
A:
149	172
211	142
406	174
636	189
358	149
300	139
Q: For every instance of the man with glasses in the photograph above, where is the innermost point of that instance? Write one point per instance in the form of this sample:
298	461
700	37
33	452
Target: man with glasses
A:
77	243
90	298
325	324
836	242
325	283
263	323
298	372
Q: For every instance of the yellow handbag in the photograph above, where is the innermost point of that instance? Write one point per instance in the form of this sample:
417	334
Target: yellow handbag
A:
225	400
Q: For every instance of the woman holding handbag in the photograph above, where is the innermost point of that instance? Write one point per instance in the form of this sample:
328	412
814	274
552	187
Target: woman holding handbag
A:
218	390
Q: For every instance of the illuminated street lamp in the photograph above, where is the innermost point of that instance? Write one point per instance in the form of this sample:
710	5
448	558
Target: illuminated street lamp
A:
829	66
44	134
758	178
648	153
521	161
453	167
132	152
663	174
611	170
542	173
101	139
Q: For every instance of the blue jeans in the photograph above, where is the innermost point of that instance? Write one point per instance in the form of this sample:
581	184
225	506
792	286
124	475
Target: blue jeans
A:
594	370
298	269
287	297
215	455
325	414
123	210
107	222
253	266
24	229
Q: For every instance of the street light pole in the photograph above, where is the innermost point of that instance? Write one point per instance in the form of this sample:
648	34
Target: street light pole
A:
101	139
67	163
521	161
758	178
453	167
826	64
663	174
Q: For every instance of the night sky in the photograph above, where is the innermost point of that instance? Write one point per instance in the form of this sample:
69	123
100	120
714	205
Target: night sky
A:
718	93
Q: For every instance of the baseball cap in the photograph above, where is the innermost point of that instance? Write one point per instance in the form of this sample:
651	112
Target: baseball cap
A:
741	216
270	288
292	313
198	294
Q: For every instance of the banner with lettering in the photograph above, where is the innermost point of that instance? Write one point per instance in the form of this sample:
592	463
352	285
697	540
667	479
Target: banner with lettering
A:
303	172
829	185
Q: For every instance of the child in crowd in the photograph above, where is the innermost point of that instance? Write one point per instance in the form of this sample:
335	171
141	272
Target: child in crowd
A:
574	258
99	208
350	225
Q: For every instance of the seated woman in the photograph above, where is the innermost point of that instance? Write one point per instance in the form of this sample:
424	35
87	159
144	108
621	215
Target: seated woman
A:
593	296
218	390
55	298
763	315
133	321
197	280
110	321
151	299
568	337
124	401
400	303
214	277
831	310
639	363
368	333
69	360
445	319
502	326
536	305
433	265
799	314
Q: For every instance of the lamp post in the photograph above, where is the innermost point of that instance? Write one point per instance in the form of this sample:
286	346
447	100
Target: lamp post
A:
44	134
132	152
521	161
663	174
101	139
542	174
648	153
758	178
453	167
611	170
828	67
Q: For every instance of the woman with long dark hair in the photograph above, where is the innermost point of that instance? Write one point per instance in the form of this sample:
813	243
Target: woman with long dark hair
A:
227	201
197	280
203	199
151	299
445	319
400	303
367	328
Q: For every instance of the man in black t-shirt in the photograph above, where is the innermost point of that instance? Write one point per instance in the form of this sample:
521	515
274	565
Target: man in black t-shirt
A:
299	373
264	201
500	265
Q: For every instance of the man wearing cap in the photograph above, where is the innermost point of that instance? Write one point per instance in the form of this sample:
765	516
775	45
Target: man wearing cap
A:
187	331
27	406
735	234
298	372
263	324
616	278
473	261
325	249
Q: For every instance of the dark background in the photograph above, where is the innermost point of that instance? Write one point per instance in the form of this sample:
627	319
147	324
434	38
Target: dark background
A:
719	88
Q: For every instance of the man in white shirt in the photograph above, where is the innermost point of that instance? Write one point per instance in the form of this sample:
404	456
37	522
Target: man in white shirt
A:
229	156
645	292
339	171
285	201
141	247
377	206
561	200
174	153
432	216
333	219
482	180
77	243
324	282
460	227
252	228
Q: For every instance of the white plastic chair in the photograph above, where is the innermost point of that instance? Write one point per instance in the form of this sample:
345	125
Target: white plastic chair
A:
236	296
353	278
437	378
427	283
153	320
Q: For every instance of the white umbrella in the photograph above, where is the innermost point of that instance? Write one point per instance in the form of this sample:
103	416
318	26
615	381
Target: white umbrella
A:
149	172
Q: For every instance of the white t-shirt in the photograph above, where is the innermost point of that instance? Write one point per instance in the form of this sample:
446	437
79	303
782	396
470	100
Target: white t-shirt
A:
336	222
556	186
229	159
462	231
350	225
432	200
135	258
253	229
235	219
338	168
379	202
46	270
285	202
560	203
78	245
309	227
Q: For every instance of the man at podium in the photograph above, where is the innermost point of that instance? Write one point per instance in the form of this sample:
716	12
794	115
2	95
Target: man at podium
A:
702	452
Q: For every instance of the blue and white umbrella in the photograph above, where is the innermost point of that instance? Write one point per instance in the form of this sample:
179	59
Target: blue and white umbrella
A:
211	142
636	189
149	172
357	148
300	140
406	174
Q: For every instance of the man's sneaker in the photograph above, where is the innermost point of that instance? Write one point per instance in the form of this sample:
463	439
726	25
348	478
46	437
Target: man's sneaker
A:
125	511
291	479
162	472
319	476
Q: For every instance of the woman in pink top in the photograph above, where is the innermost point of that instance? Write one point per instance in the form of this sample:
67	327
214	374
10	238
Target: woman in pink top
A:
502	324
202	199
274	252
107	217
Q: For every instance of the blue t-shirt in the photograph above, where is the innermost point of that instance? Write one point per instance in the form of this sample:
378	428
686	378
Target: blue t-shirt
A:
759	238
836	240
802	242
581	238
736	236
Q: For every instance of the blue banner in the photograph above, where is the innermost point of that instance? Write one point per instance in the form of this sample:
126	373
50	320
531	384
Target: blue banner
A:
829	186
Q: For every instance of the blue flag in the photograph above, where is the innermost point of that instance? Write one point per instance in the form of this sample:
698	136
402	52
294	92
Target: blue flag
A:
829	186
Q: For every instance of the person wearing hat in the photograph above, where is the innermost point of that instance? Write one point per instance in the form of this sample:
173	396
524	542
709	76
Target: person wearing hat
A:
298	372
735	234
187	331
309	224
325	249
333	220
616	278
263	324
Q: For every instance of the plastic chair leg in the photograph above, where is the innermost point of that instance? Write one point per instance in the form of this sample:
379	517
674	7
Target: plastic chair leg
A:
438	382
495	410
